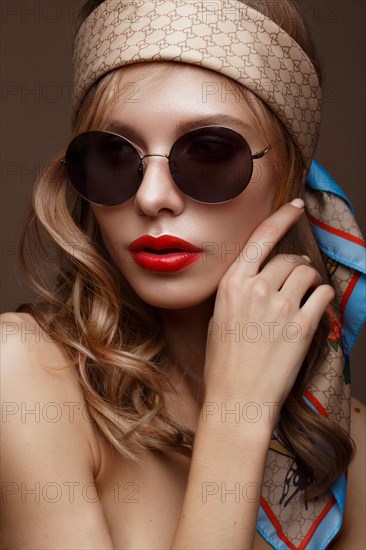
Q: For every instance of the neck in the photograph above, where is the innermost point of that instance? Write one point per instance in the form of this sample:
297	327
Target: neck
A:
186	332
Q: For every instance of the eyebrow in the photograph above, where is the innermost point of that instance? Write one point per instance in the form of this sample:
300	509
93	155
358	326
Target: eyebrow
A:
181	127
187	125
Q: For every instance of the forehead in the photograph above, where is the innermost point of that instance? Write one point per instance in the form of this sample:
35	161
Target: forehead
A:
171	89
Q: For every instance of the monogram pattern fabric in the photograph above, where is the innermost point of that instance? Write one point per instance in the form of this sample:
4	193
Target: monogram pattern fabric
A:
227	37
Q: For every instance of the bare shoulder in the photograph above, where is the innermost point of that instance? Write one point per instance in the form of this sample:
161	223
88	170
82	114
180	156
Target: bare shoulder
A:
353	534
22	336
47	465
30	362
36	376
32	365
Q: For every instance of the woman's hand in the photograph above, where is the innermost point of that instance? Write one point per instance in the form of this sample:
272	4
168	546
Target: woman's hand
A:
259	335
257	339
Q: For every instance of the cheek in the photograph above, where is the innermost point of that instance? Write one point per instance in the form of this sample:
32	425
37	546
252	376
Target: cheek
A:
110	226
248	211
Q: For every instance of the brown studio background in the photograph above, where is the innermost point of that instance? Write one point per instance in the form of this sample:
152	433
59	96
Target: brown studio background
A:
36	91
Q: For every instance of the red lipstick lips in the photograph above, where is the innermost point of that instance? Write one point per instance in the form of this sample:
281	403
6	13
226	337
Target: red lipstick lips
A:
165	254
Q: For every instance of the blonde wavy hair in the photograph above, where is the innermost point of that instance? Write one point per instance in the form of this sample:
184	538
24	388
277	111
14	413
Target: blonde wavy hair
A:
113	339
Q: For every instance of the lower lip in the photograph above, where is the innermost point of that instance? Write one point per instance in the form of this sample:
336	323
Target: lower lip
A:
165	263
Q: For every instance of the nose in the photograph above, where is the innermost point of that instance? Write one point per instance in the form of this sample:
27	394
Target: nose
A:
158	191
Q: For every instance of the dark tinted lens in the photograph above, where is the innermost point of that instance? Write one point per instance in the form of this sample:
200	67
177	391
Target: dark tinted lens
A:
103	167
211	164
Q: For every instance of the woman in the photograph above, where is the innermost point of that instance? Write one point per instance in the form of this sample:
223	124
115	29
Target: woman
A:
190	304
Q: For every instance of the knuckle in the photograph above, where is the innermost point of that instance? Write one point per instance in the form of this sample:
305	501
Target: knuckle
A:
223	289
285	306
260	289
268	231
293	258
230	284
286	258
308	272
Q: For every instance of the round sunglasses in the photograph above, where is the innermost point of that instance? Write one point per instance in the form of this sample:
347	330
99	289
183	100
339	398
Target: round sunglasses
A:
211	165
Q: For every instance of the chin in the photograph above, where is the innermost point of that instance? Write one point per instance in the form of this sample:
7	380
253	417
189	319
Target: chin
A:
171	295
173	301
174	304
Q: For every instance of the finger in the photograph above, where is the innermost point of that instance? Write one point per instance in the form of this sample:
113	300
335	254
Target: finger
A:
265	237
316	304
280	268
302	278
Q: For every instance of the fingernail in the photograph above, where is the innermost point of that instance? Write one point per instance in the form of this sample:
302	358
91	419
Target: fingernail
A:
306	257
299	203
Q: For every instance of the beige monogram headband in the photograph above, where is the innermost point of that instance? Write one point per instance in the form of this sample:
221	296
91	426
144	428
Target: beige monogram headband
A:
227	37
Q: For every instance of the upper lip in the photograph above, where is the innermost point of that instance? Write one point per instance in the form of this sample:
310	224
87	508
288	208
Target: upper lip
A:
160	243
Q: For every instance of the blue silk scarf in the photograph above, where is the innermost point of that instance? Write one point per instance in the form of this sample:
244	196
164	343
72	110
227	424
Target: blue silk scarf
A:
283	520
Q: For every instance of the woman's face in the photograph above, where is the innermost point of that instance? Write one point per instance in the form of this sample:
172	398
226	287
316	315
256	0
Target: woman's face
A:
181	94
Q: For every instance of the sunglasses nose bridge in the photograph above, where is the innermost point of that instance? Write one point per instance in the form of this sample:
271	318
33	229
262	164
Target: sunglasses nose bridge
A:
143	164
153	155
158	190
